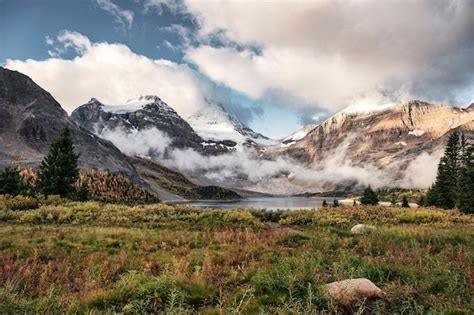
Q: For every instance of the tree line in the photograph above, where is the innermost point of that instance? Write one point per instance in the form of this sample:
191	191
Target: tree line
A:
454	184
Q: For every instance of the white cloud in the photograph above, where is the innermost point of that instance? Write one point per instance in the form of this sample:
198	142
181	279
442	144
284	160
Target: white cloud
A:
158	5
113	73
121	16
182	33
148	142
331	53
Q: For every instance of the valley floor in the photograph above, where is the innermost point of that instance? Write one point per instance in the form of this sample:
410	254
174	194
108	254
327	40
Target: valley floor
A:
101	258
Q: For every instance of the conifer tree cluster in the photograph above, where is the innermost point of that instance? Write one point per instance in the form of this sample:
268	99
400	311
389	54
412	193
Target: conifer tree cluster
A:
10	182
454	185
369	197
57	173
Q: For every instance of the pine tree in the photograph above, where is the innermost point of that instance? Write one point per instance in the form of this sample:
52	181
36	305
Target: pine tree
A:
443	193
59	170
405	203
393	201
465	185
420	201
10	181
369	197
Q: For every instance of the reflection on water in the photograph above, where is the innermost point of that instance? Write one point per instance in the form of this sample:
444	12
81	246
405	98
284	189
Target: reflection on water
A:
269	203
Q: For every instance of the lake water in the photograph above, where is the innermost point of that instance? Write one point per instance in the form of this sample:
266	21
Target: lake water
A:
268	203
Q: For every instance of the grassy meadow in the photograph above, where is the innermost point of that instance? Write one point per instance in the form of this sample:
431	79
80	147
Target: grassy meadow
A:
58	256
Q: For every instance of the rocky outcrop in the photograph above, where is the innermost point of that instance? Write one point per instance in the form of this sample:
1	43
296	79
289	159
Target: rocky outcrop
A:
30	119
347	292
362	228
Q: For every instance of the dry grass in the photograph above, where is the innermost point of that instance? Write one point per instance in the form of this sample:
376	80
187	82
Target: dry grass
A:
91	257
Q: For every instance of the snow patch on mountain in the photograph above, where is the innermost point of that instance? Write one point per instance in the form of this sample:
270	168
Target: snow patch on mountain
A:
416	133
137	103
298	135
367	108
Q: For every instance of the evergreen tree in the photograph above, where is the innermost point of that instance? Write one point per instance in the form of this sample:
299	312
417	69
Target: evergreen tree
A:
369	197
465	185
335	203
59	170
10	181
405	203
420	201
393	201
325	204
82	192
443	192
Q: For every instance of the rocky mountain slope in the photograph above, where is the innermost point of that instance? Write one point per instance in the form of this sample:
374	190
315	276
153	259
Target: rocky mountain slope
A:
145	113
390	135
30	119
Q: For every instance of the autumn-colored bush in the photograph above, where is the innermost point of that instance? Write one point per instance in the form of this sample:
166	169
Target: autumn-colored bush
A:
106	187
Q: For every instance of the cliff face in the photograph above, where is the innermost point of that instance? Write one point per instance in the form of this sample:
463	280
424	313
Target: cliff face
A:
393	135
30	119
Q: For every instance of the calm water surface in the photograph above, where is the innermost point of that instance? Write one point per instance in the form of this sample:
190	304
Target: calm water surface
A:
269	203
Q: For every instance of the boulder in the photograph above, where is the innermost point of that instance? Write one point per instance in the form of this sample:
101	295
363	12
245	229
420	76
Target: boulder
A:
362	228
349	291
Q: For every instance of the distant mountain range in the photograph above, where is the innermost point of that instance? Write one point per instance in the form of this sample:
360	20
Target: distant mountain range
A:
172	156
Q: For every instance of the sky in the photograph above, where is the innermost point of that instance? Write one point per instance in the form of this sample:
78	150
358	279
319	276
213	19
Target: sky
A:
276	65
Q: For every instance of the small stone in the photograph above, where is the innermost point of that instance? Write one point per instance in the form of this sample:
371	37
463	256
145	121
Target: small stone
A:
362	228
349	291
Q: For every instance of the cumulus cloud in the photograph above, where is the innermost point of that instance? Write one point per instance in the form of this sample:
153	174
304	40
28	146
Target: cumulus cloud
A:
329	54
121	16
114	73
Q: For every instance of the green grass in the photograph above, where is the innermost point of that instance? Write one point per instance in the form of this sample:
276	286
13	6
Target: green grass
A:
100	258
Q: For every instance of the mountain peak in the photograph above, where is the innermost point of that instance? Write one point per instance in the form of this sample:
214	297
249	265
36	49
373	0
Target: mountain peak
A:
142	98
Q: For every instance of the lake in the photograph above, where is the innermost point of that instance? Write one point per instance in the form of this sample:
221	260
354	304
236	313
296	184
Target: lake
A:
268	203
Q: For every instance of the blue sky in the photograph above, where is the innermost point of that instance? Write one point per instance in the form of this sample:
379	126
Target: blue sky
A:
275	65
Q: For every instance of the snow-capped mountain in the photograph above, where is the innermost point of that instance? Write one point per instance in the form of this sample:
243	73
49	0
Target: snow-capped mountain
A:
145	113
214	123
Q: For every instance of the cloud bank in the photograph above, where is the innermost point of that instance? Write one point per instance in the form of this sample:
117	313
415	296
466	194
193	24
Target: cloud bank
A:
114	73
279	176
329	54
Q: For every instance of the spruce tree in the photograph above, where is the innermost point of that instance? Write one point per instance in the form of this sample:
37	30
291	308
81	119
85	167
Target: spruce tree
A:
405	203
369	197
420	201
443	193
465	185
393	201
59	170
10	181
